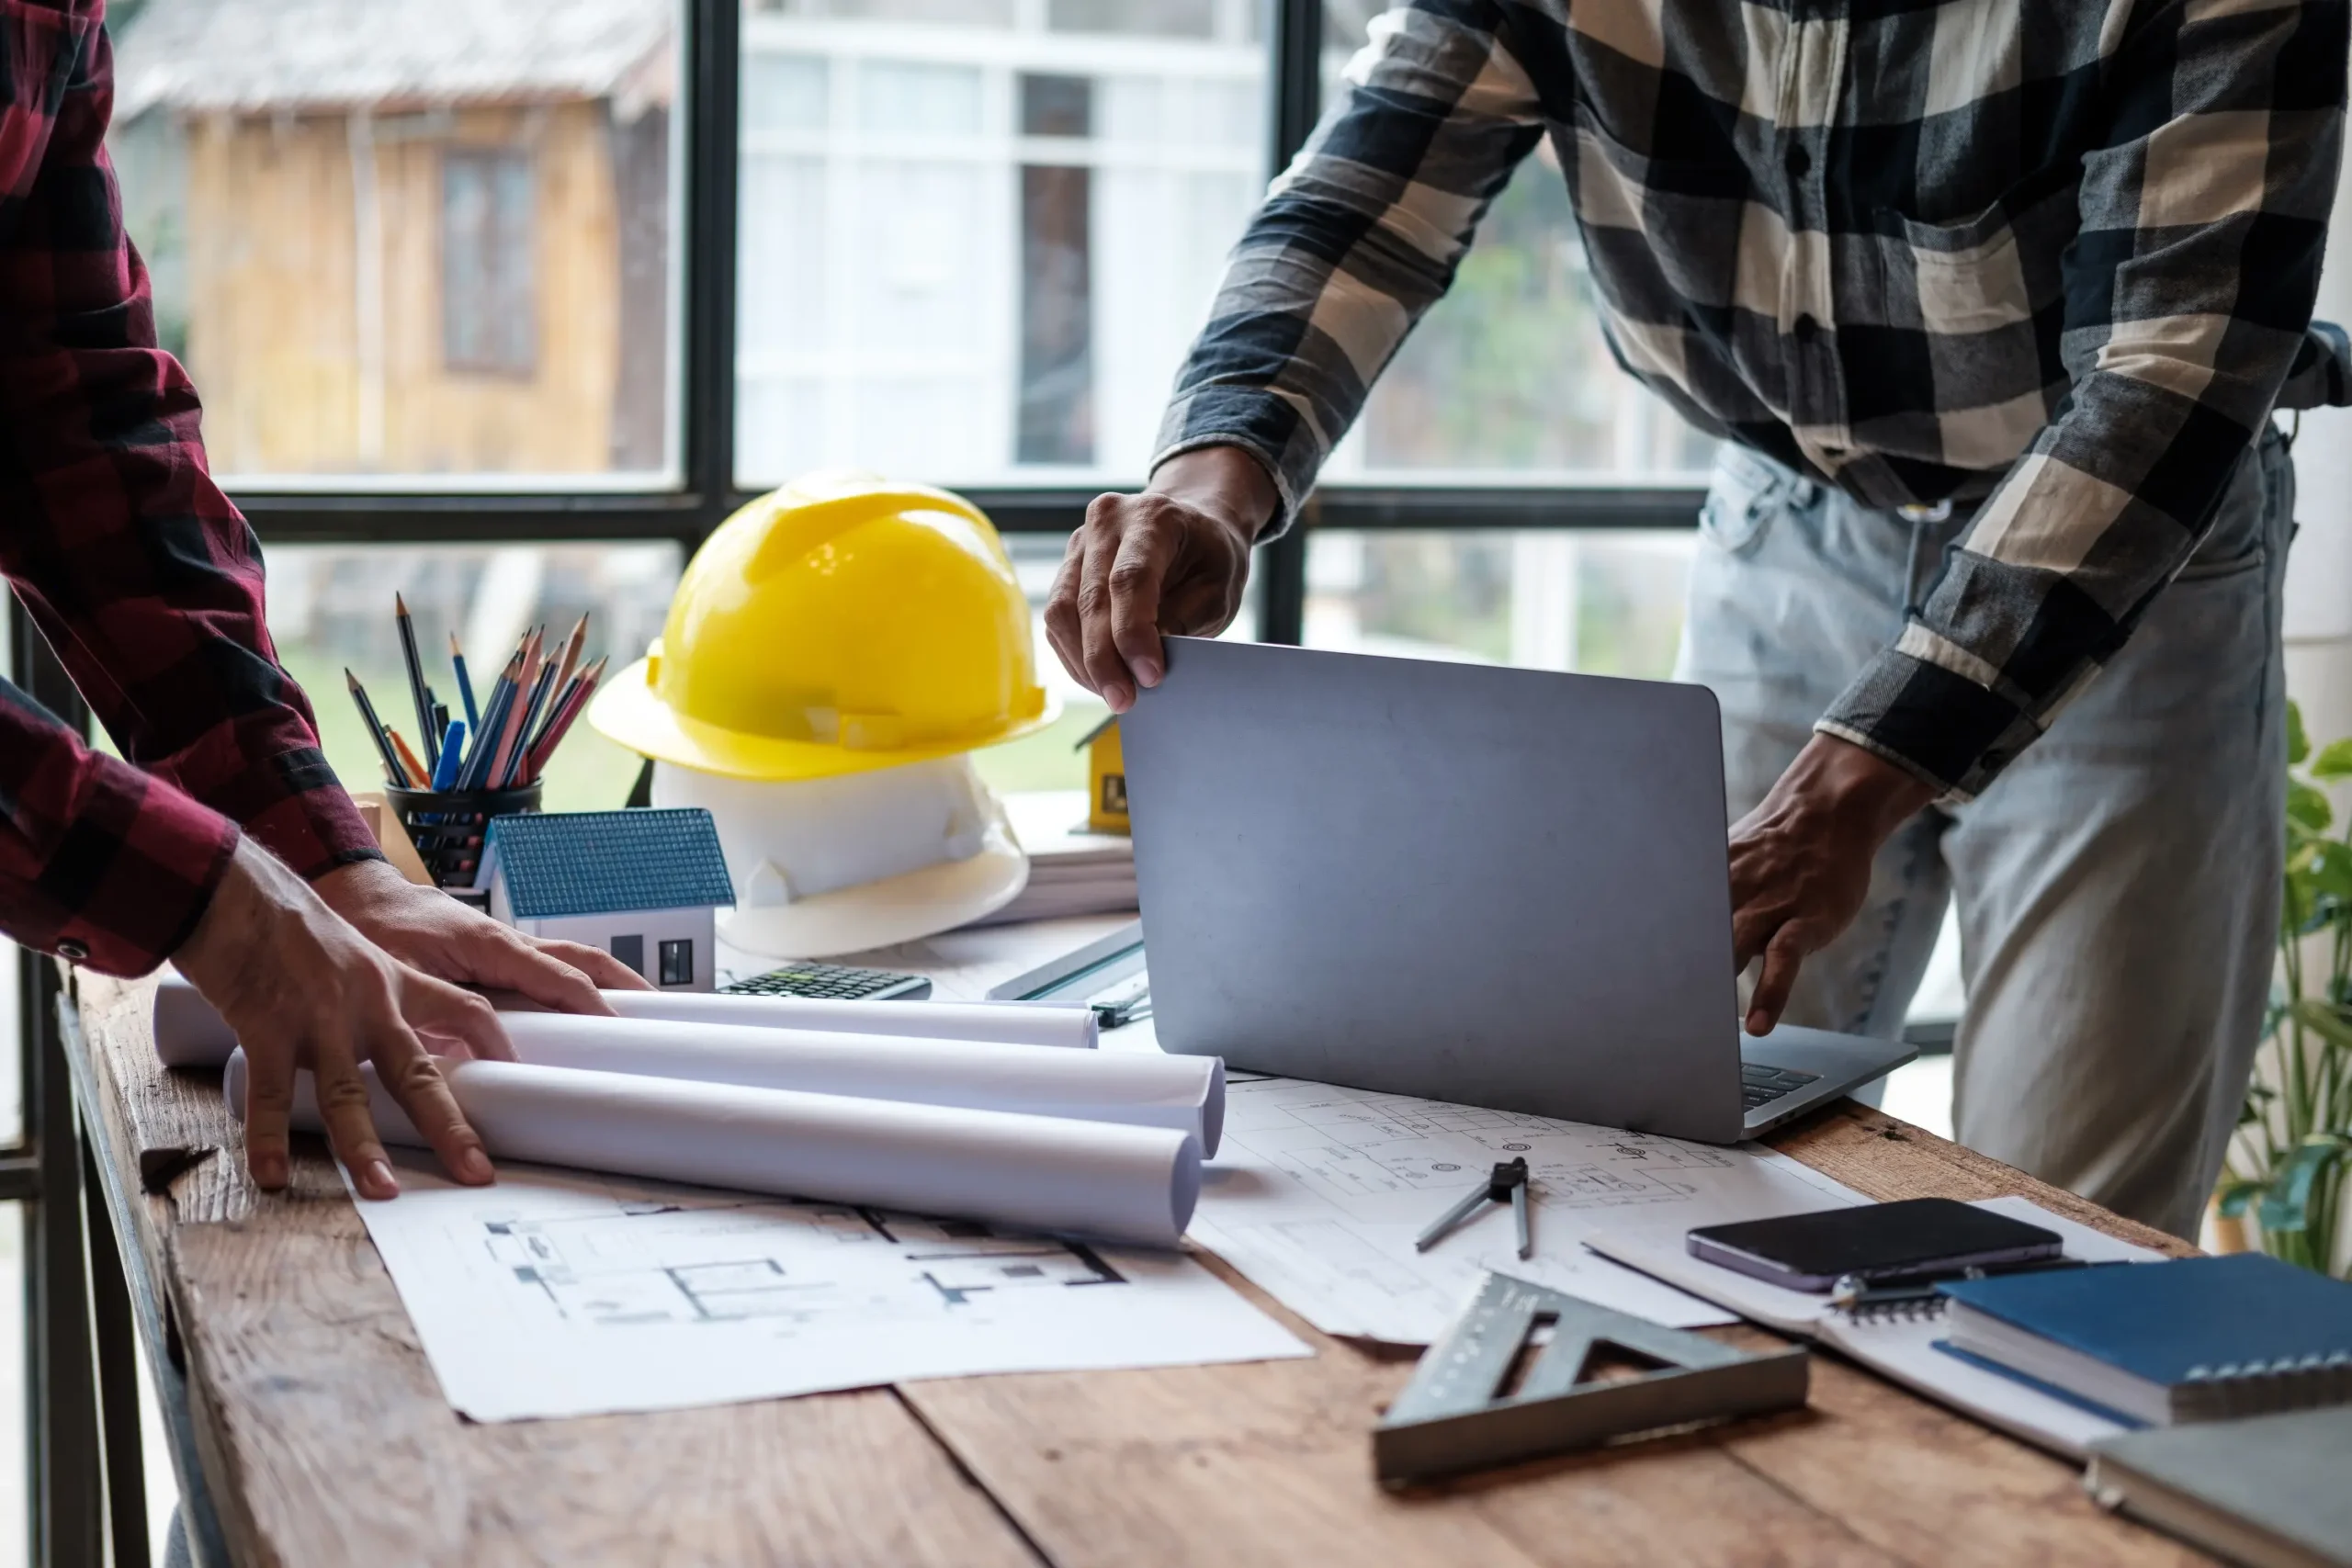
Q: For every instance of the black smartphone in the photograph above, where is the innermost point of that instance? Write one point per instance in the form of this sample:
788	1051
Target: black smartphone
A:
1877	1243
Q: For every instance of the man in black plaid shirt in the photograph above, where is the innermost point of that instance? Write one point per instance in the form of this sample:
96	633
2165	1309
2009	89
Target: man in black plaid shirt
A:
1993	303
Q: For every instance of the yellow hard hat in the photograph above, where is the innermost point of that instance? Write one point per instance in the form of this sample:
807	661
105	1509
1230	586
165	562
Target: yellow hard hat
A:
842	624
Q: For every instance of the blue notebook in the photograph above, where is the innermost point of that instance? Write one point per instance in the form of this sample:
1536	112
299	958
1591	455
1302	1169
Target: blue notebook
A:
2191	1339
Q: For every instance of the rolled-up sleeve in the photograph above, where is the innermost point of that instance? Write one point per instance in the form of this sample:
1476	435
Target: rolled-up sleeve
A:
2188	296
1359	237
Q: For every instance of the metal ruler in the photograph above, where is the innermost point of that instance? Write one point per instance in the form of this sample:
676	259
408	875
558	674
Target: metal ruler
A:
1453	1417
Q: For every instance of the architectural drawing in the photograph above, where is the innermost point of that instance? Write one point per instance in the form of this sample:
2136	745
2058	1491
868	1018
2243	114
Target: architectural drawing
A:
1319	1194
561	1293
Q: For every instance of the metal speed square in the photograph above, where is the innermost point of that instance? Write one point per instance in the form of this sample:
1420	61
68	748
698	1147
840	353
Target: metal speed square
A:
1453	1415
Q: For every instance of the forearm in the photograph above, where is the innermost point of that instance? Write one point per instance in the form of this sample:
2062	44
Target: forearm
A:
2187	291
1356	240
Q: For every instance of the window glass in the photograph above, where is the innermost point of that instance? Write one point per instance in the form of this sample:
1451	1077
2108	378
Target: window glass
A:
975	245
1164	19
1603	601
330	609
1510	372
432	243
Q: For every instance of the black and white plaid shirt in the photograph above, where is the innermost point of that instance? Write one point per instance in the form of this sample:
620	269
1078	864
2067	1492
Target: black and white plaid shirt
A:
2056	257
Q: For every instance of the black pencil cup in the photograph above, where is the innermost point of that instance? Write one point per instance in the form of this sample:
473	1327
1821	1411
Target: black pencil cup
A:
446	827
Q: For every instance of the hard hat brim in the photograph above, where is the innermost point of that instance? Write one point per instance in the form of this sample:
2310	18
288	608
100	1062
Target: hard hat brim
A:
904	907
626	711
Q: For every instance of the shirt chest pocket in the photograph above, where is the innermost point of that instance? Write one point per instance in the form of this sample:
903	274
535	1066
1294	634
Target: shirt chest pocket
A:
40	49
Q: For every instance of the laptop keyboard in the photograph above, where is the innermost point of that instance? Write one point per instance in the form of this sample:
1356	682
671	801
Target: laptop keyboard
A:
1761	1084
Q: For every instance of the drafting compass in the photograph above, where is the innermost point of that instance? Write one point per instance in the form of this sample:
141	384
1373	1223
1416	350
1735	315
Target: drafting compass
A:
1506	1185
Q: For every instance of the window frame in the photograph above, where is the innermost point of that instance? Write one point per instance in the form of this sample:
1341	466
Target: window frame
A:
704	492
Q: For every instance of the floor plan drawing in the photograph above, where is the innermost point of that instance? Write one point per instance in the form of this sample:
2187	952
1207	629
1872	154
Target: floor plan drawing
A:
1319	1194
559	1292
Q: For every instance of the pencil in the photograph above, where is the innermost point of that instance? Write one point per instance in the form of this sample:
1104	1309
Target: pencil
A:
476	771
572	646
416	771
535	710
465	685
576	699
415	666
392	769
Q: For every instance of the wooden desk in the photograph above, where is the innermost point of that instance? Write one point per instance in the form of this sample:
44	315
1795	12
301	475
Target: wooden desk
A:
322	1439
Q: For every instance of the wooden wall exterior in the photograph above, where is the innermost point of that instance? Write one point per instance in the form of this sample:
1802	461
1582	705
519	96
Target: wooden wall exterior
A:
275	333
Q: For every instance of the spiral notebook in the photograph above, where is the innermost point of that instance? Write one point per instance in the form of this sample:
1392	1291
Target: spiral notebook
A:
2191	1339
1900	1342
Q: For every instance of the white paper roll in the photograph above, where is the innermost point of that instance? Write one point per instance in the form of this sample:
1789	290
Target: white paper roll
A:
189	1034
1093	1179
1143	1089
1009	1023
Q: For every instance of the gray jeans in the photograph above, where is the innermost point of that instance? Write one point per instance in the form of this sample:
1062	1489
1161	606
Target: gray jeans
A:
2118	887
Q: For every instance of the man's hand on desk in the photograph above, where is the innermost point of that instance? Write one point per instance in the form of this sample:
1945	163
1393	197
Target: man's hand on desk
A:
428	930
1172	559
1801	861
303	988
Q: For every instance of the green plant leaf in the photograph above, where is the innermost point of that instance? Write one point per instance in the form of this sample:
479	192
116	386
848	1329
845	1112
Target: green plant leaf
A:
2307	807
2324	1020
2236	1197
2299	742
2287	1205
2333	762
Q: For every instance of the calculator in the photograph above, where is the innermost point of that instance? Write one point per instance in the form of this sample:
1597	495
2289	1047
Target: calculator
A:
834	982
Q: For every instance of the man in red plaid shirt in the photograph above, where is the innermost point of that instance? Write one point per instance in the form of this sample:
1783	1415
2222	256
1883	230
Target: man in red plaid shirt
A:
224	841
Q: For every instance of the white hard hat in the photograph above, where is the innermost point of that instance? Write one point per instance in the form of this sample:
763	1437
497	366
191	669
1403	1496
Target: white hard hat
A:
828	865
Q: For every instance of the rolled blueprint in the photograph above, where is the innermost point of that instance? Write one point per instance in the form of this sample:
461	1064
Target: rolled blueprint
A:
1143	1089
189	1034
1091	1178
1007	1023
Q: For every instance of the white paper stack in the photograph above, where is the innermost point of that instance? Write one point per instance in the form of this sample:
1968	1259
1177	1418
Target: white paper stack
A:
1072	871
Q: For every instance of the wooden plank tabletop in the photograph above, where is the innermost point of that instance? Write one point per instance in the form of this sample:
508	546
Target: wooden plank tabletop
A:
325	1439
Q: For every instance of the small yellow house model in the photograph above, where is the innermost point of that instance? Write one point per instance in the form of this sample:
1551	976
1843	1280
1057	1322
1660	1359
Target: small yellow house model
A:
1106	778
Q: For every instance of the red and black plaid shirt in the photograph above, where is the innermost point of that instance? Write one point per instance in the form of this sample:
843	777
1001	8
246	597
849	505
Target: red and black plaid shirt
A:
139	571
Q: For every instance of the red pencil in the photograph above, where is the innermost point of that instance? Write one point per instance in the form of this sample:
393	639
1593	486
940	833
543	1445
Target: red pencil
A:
582	688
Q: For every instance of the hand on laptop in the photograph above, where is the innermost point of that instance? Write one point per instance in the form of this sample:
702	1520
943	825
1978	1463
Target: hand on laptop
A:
1801	861
1172	559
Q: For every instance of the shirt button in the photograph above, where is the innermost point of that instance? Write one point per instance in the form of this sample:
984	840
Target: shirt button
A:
1807	328
73	952
1798	162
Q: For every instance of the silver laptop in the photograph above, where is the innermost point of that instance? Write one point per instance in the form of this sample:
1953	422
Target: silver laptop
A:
1503	887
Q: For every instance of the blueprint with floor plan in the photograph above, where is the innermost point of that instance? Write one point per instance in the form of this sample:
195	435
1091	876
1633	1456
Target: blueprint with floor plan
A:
556	1292
1317	1193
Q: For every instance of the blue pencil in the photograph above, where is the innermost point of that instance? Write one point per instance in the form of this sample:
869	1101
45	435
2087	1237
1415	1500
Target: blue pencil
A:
465	685
452	747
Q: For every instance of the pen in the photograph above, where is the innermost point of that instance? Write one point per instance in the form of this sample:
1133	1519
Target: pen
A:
452	747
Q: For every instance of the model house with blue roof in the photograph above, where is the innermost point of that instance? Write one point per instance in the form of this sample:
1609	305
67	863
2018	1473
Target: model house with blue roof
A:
642	884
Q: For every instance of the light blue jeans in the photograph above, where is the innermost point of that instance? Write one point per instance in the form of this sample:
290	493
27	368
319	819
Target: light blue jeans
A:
2118	887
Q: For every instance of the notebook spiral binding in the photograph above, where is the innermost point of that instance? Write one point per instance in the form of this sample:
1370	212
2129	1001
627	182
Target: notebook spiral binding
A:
1893	1306
2245	1388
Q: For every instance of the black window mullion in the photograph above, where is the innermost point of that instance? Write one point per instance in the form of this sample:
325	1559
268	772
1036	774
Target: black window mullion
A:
715	67
1296	80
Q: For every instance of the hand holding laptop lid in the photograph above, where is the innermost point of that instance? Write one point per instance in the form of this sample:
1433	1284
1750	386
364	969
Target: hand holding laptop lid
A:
1174	560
